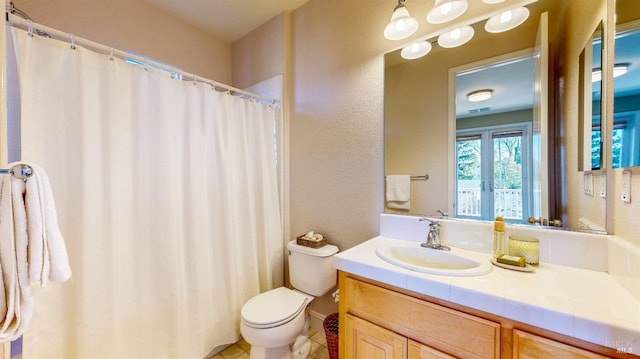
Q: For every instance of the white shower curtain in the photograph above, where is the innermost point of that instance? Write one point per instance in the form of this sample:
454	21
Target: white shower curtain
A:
166	193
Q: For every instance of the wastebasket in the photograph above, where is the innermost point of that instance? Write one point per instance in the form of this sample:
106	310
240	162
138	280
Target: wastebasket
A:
330	325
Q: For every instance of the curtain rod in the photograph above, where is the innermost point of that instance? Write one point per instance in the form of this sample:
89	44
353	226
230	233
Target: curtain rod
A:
31	26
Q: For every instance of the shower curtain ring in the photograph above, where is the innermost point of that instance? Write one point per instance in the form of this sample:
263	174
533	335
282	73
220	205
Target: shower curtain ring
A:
111	54
30	28
73	41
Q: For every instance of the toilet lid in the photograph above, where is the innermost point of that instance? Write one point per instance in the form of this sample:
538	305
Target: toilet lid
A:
273	308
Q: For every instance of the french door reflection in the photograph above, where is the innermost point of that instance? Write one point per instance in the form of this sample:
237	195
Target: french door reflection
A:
493	170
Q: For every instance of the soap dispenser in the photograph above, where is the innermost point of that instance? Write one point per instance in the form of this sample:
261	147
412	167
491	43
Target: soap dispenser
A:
499	236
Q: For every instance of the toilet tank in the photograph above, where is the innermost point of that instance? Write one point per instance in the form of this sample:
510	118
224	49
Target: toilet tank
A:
311	269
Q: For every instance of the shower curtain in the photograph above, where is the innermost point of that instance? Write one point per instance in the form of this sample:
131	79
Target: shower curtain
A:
166	192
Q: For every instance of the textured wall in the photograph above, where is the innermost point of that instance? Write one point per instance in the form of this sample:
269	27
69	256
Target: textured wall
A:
132	25
337	119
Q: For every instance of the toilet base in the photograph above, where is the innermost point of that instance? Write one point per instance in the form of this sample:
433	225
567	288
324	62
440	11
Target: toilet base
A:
300	349
270	353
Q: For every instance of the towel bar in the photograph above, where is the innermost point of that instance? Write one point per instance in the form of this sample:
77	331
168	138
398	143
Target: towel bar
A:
420	178
19	171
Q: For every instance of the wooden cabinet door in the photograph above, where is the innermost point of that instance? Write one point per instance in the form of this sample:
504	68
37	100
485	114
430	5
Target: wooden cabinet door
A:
421	351
527	345
451	331
366	340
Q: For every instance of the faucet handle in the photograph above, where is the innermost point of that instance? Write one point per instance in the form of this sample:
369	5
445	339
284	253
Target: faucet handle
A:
431	221
443	213
433	224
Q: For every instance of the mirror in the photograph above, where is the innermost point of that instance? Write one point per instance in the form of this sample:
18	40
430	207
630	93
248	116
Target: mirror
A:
494	138
626	86
589	104
417	95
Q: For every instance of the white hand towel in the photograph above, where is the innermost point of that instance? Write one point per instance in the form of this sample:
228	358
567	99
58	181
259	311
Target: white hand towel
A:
398	191
17	303
47	253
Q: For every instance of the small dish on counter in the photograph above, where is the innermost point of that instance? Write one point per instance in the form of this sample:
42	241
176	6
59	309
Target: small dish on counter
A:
526	268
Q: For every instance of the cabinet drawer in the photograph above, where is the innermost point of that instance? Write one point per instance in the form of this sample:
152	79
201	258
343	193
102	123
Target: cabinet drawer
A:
444	329
527	345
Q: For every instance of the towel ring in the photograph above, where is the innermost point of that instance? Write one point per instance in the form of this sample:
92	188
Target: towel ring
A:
21	171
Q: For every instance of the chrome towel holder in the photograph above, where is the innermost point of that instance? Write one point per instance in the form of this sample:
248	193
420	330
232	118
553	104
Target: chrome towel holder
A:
20	171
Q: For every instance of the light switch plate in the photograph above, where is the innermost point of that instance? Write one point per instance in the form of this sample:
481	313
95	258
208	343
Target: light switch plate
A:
588	184
626	186
603	185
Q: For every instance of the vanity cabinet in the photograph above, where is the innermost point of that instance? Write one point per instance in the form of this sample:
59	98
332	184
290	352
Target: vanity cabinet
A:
367	340
382	321
527	345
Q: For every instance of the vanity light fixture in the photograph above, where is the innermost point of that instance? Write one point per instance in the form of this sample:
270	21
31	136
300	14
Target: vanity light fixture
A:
416	50
401	25
507	20
480	95
456	37
446	10
618	70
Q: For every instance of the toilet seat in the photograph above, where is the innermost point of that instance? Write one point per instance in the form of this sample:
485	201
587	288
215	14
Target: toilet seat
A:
273	308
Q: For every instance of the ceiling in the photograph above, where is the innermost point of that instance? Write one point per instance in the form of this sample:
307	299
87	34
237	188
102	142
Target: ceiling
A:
228	20
511	82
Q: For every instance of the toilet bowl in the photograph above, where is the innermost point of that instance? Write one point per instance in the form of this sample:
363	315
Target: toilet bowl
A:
276	322
273	320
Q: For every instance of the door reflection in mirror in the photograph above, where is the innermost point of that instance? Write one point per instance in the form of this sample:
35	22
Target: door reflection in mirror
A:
491	180
493	141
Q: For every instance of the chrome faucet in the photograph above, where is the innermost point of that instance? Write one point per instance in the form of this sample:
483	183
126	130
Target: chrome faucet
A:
443	213
433	238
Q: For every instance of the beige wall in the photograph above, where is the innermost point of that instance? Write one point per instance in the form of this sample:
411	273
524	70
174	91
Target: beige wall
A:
260	55
337	119
132	25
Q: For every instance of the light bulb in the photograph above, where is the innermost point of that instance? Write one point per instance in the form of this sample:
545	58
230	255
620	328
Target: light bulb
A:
445	9
416	50
506	16
402	25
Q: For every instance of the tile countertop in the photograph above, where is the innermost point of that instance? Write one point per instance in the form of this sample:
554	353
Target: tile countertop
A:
585	304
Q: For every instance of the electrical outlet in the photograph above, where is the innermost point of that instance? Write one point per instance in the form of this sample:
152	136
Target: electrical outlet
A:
603	185
626	186
588	184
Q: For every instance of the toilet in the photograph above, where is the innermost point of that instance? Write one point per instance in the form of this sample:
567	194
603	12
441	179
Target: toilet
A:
276	322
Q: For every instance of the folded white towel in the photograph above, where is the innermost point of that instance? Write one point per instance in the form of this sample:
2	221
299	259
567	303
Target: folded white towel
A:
31	247
398	191
47	253
16	305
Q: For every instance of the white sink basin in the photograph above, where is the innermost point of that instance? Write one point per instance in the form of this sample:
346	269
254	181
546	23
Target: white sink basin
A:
433	261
